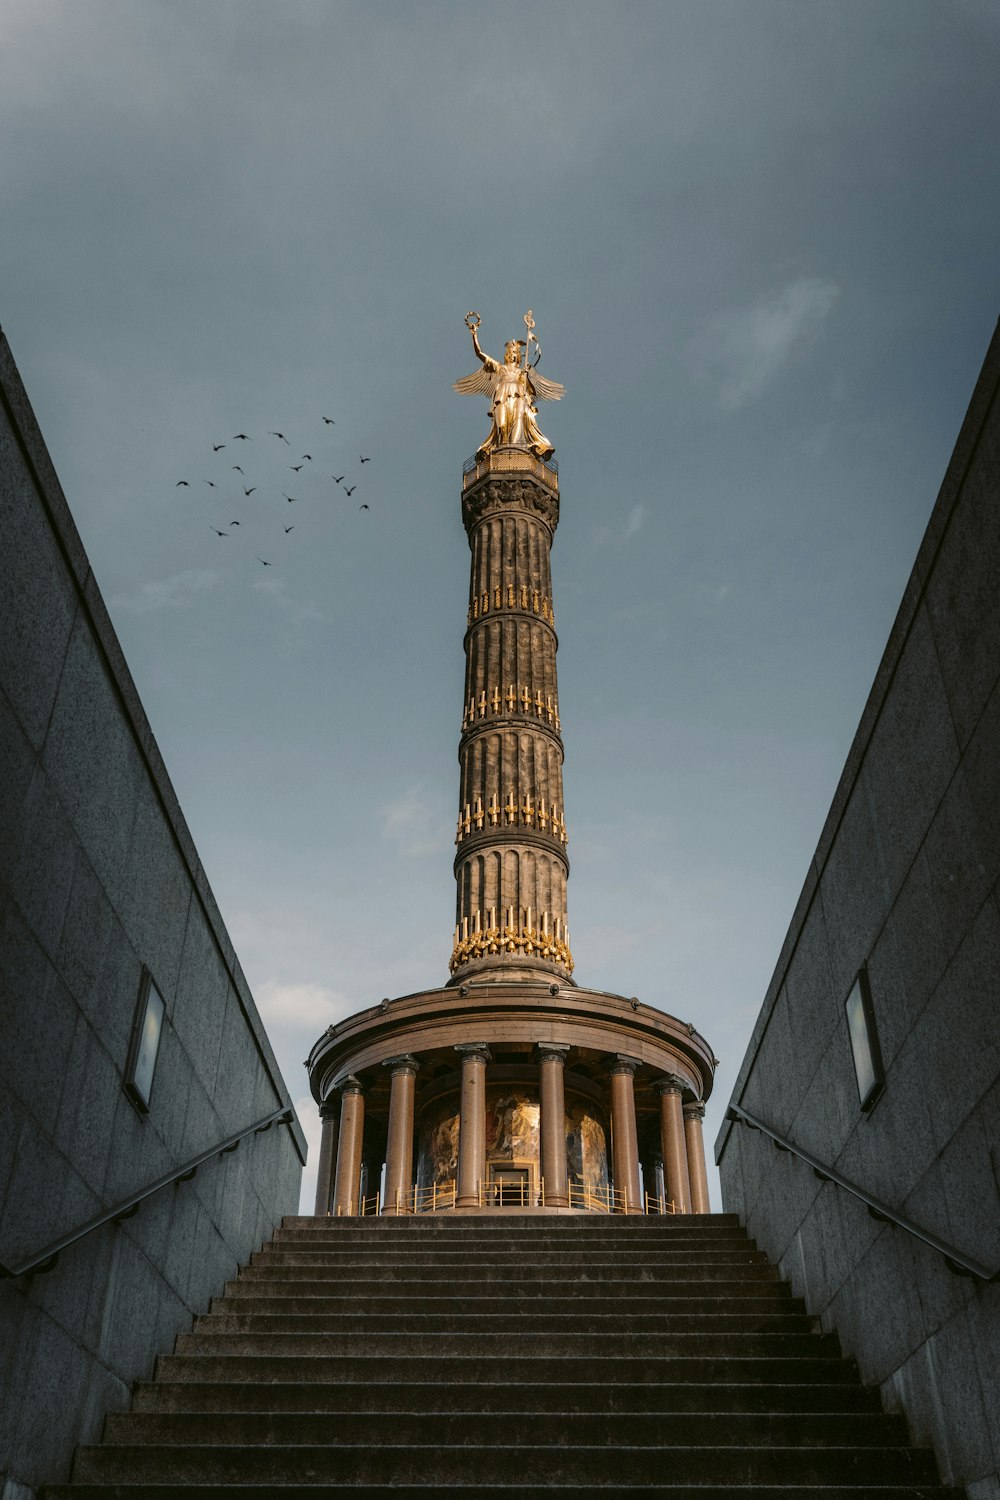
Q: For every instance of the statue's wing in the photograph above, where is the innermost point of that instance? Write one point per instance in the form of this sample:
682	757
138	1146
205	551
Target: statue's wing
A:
549	390
479	383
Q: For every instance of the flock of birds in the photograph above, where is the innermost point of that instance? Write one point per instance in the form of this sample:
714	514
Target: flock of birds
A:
299	468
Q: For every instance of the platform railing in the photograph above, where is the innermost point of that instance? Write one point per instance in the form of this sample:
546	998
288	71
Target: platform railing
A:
491	1194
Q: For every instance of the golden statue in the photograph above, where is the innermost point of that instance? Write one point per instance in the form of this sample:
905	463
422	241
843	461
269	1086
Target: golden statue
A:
512	388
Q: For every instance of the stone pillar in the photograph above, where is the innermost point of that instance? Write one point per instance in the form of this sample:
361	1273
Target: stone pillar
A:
399	1148
659	1182
675	1161
624	1136
329	1113
352	1131
472	1123
555	1178
693	1116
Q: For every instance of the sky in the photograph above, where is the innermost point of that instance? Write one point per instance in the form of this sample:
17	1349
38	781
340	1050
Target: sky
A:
759	239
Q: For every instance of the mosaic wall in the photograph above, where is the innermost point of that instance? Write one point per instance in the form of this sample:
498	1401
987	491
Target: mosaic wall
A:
512	1134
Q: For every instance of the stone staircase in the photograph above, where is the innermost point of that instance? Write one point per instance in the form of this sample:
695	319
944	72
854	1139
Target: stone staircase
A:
539	1355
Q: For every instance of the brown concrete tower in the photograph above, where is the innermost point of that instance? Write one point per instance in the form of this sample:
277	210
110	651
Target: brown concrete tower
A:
511	866
511	1087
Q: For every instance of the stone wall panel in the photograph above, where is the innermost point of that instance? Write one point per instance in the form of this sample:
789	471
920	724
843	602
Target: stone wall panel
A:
907	868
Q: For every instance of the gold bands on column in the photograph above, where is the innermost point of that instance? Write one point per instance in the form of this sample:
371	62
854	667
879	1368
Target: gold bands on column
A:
518	934
507	701
510	596
530	812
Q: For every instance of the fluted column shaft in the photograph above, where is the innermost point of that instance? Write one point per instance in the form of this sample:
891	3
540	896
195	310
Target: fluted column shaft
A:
472	1123
329	1113
511	866
675	1162
552	1094
399	1148
693	1116
349	1148
624	1136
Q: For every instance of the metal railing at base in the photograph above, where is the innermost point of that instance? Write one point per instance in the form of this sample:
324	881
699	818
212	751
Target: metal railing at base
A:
497	1193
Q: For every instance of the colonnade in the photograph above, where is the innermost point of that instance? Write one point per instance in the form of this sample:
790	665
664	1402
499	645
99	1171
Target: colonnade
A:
681	1146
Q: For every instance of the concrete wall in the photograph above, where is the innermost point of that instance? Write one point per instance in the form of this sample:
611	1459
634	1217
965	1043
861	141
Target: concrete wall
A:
905	881
98	877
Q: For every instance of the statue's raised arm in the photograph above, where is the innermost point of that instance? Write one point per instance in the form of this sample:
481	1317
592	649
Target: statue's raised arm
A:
512	388
472	324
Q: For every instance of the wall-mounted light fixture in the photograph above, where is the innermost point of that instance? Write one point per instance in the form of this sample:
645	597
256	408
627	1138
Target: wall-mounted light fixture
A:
864	1041
147	1028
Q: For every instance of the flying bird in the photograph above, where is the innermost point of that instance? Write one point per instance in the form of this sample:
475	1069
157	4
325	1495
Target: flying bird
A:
280	435
364	507
337	477
237	468
308	456
296	467
234	523
217	446
351	490
290	498
180	482
288	529
243	436
329	421
366	460
250	490
218	532
261	560
210	483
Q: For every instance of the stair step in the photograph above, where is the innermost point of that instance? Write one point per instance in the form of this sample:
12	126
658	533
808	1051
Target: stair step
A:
517	1490
410	1268
570	1223
358	1368
422	1323
622	1429
291	1303
505	1354
386	1463
320	1395
523	1340
255	1284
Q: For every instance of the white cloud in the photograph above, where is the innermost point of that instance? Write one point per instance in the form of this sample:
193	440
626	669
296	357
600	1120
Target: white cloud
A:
312	1128
310	1006
744	349
635	521
179	591
617	536
411	823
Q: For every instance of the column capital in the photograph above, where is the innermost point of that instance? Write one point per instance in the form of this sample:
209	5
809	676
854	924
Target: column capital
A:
695	1111
330	1109
404	1062
552	1051
350	1085
671	1083
479	1050
625	1064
